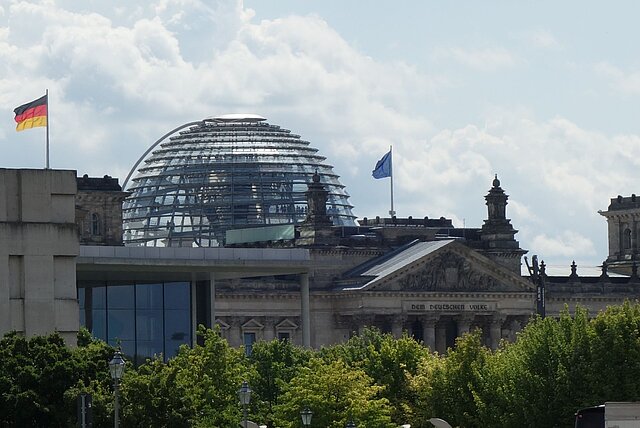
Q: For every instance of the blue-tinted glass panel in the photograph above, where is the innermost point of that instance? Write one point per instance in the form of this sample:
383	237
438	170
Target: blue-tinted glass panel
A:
147	350
177	295
81	293
249	339
149	325
128	348
120	297
177	330
99	317
149	296
177	325
284	335
98	297
171	348
121	324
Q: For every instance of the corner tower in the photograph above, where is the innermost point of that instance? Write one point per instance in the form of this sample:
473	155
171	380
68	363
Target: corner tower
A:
497	234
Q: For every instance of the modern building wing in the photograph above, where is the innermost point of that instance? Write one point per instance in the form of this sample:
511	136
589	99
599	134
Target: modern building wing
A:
225	173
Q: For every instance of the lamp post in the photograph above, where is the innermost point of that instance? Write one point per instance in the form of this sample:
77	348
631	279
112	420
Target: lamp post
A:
306	414
244	394
350	424
116	368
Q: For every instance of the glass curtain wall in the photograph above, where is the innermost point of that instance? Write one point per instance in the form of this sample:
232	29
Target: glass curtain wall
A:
226	174
144	319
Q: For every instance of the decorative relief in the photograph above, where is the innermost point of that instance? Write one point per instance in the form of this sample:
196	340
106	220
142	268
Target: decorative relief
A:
449	272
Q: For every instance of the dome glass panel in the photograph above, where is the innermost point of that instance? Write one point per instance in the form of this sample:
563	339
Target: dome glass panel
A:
230	172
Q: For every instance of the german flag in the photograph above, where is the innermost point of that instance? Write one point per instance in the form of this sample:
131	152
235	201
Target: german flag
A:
31	115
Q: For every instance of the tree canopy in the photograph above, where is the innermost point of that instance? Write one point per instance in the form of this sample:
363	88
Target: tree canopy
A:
555	367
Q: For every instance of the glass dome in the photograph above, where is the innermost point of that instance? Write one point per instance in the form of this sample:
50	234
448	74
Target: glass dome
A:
227	172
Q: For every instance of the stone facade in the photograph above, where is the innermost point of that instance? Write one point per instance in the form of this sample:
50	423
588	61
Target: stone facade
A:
623	220
99	210
419	276
38	248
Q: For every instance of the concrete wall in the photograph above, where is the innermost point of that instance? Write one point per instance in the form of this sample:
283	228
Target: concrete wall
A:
38	249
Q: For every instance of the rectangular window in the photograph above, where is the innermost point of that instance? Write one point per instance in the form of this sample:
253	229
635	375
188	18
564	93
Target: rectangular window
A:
248	339
120	296
284	336
148	296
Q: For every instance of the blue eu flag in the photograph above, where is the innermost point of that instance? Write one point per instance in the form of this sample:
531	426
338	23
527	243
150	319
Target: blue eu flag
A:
383	167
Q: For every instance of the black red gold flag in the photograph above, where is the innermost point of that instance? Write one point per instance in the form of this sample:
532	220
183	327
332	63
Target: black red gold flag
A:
31	115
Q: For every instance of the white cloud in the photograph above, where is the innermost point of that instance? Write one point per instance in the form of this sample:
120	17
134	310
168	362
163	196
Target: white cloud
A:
626	82
568	244
542	38
483	59
121	77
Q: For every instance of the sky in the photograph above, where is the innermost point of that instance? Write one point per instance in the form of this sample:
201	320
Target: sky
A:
544	94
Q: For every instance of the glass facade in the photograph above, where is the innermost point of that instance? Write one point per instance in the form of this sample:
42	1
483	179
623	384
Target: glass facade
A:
144	319
226	173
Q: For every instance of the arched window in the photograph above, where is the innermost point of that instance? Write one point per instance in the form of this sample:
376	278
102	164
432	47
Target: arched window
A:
626	239
95	224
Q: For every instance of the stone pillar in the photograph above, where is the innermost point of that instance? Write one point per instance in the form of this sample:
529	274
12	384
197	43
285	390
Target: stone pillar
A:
441	338
212	301
464	324
429	331
305	311
362	321
268	333
397	325
495	330
194	318
235	332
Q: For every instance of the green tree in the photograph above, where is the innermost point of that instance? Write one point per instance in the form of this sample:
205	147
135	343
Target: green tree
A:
616	354
275	363
335	393
451	387
198	387
390	362
38	376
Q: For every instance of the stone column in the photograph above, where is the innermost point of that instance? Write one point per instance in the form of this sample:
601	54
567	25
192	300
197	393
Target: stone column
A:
361	321
397	325
441	338
429	331
194	318
305	311
269	333
235	332
464	323
495	330
212	299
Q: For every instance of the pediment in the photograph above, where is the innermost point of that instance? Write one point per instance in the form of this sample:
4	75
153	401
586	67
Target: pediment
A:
252	324
452	268
286	324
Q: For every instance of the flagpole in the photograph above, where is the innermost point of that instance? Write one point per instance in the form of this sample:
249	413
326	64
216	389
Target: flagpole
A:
391	212
47	149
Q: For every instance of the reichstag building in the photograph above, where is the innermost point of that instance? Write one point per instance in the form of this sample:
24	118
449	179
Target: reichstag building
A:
241	224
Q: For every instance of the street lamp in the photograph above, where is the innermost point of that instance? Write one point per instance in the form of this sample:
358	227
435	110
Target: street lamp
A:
244	394
439	423
116	368
350	424
306	414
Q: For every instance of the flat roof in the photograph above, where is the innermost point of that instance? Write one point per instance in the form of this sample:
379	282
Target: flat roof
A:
180	263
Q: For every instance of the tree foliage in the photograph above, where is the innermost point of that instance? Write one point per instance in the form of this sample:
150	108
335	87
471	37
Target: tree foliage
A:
275	363
336	393
555	367
388	361
35	374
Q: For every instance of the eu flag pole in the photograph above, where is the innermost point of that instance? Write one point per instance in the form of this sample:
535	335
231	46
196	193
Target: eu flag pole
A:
383	169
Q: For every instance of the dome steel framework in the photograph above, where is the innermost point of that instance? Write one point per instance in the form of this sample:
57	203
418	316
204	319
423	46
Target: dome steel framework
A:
228	172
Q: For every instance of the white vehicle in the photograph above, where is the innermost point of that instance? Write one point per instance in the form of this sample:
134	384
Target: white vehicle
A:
612	414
